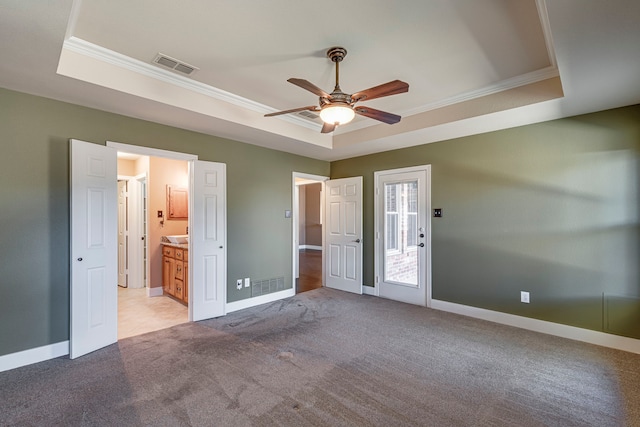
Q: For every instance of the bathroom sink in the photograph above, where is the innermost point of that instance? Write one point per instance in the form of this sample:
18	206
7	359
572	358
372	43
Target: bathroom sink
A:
178	238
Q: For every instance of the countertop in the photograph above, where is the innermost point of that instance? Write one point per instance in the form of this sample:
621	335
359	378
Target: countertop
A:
176	245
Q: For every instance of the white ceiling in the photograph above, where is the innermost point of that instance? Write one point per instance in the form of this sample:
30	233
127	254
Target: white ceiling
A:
472	66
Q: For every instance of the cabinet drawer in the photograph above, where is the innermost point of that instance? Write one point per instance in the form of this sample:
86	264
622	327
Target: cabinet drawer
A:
179	293
168	251
179	270
179	253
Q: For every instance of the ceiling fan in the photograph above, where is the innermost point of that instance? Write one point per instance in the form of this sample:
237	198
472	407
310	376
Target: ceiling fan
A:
337	108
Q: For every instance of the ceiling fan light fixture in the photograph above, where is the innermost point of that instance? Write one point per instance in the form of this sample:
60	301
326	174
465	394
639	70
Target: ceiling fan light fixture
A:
337	114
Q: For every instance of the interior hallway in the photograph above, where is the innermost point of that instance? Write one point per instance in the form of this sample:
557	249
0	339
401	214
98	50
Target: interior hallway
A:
310	270
139	314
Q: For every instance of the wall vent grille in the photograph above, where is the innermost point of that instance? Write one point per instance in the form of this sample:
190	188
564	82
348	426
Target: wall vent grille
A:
309	115
174	64
267	286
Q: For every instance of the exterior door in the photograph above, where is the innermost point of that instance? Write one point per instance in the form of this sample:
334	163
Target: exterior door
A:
343	234
403	235
208	287
94	225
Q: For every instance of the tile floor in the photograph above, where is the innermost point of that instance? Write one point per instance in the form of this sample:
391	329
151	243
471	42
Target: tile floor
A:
139	314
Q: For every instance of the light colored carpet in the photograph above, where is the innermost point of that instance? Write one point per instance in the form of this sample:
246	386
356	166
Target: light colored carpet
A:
329	358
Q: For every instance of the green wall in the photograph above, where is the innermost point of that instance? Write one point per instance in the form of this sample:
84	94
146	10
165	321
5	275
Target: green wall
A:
34	218
550	208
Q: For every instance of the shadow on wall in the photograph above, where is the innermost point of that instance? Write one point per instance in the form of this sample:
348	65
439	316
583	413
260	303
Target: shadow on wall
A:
560	222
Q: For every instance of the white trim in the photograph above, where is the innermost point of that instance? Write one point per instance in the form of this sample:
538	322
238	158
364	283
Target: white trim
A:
151	152
543	15
94	51
262	299
155	292
504	85
33	355
570	332
313	247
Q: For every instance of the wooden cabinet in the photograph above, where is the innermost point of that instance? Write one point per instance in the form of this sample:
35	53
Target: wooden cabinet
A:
175	272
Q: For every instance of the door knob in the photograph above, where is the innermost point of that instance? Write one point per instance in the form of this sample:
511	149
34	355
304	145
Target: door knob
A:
421	245
357	240
80	259
421	234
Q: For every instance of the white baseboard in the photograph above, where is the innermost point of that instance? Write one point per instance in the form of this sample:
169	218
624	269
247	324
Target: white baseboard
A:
571	332
314	247
154	292
263	299
33	355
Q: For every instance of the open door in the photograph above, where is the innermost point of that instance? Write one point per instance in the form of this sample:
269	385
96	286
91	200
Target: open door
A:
208	285
343	234
94	250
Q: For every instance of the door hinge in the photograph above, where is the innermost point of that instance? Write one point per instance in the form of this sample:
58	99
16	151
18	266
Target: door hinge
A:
377	279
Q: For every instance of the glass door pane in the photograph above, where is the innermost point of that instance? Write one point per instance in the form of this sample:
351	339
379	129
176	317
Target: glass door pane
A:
401	232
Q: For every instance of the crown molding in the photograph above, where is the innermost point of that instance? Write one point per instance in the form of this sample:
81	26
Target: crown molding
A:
100	53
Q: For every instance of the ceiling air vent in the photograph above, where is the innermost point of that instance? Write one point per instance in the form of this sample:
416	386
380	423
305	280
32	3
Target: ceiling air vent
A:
308	115
174	64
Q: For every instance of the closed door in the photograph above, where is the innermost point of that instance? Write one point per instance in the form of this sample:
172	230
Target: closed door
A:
402	235
343	234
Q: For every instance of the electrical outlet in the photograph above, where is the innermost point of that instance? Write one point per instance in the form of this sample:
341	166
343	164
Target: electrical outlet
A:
524	297
239	283
247	282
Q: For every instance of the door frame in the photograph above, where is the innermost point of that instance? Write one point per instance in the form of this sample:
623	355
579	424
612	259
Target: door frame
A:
174	155
295	216
378	238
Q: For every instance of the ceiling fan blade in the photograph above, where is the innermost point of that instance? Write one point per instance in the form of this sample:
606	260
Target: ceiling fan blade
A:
305	84
382	116
328	128
293	110
386	89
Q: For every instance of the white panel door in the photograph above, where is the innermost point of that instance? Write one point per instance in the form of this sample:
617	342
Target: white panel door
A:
343	234
94	261
208	265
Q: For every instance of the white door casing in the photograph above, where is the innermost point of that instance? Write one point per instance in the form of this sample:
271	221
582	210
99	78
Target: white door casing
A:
93	264
123	234
414	287
343	234
208	263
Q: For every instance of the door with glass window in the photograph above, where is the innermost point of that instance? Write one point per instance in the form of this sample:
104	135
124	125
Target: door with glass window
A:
402	235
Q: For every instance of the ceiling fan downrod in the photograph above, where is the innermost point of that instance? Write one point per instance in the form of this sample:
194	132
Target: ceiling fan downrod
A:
337	54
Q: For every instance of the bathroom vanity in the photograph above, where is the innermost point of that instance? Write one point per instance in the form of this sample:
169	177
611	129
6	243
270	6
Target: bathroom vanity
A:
175	270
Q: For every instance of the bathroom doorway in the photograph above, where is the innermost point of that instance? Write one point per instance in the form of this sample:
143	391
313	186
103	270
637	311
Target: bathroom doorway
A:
308	231
143	306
